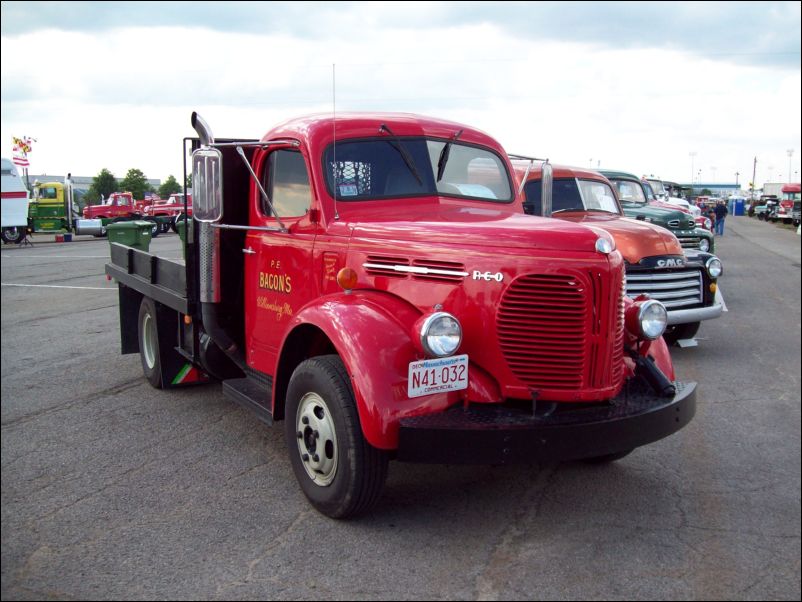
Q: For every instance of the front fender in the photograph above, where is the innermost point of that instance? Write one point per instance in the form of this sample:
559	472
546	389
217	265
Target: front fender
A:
371	331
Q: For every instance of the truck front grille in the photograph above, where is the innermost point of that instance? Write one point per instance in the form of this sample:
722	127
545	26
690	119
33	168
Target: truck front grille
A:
675	289
544	324
688	242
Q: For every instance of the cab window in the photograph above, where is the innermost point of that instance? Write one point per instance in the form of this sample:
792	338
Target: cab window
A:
287	184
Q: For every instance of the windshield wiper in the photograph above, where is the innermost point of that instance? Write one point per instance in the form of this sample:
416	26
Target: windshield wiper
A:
396	144
569	209
443	159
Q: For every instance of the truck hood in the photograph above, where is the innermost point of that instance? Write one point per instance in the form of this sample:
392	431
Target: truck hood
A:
473	226
635	239
660	216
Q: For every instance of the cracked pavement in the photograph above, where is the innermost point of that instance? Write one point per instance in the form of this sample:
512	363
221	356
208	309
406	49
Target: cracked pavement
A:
111	489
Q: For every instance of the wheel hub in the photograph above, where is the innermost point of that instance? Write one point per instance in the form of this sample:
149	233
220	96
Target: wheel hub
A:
317	439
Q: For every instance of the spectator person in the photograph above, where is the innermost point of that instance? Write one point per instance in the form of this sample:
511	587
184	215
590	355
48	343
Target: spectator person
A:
721	213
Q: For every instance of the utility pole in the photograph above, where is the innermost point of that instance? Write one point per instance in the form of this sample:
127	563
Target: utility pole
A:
754	171
692	155
790	152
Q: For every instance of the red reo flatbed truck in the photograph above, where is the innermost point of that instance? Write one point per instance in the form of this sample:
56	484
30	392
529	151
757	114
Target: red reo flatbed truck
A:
373	281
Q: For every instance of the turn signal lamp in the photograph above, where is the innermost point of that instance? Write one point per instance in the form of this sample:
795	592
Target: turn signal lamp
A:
347	279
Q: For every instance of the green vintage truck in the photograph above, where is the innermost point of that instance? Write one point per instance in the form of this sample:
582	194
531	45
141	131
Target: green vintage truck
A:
635	197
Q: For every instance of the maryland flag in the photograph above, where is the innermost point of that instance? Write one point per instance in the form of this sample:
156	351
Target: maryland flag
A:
22	146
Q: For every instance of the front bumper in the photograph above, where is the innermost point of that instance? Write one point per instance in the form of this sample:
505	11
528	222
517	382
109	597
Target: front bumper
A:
698	314
492	434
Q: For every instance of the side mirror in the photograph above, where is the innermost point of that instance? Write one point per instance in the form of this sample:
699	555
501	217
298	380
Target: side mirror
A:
546	179
207	185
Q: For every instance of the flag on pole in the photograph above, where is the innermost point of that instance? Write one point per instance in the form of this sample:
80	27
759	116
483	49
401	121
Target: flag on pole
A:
22	146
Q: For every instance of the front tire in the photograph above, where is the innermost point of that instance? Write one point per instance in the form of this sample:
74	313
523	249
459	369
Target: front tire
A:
149	342
340	473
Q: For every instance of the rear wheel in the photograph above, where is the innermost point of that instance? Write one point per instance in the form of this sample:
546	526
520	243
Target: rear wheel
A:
179	218
13	235
340	473
149	342
681	331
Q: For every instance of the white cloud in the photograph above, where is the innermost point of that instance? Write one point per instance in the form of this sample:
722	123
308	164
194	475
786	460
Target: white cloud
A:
122	98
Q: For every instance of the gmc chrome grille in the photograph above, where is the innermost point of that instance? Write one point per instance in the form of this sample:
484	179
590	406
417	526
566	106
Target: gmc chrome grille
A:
543	323
675	289
688	242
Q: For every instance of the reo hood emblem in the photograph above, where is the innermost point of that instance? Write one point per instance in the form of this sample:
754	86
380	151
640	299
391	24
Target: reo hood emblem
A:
488	276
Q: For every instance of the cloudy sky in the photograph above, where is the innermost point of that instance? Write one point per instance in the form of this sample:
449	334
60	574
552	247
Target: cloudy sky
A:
673	89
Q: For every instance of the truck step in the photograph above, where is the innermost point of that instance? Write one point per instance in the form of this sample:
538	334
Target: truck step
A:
251	394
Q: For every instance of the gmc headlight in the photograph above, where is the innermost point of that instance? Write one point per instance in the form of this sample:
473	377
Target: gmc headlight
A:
704	245
647	318
714	267
440	334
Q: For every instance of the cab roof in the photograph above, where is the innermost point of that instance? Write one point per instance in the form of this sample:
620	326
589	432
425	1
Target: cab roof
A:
319	128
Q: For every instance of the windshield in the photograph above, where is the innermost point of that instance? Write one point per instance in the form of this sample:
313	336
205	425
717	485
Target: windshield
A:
630	192
657	186
570	194
378	169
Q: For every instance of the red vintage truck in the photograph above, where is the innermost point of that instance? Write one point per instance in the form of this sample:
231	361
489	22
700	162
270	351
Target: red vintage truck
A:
684	280
175	208
373	282
788	209
121	206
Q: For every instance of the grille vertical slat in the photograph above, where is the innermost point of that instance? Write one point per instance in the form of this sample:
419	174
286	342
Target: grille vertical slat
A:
543	323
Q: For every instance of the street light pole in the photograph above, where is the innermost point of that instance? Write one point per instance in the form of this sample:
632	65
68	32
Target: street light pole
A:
790	152
692	155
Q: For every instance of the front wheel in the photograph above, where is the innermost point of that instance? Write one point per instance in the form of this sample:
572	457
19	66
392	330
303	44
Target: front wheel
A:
340	473
149	342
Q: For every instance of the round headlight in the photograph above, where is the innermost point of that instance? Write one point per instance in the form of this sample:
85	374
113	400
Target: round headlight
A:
708	223
704	245
714	267
603	245
440	334
652	319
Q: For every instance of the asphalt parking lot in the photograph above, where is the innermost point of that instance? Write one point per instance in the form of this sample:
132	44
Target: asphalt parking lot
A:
111	489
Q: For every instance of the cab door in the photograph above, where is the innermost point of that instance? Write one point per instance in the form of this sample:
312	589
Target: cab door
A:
278	264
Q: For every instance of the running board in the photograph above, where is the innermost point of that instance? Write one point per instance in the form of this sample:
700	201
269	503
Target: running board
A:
251	394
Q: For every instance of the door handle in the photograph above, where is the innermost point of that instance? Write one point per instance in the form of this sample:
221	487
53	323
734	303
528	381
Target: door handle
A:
249	251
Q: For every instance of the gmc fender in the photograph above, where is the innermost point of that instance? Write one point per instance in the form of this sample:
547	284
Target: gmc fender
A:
371	331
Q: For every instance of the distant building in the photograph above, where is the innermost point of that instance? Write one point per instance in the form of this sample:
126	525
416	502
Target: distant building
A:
721	190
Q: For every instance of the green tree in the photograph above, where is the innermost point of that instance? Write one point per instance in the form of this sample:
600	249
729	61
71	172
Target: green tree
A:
103	184
169	187
189	181
706	192
136	183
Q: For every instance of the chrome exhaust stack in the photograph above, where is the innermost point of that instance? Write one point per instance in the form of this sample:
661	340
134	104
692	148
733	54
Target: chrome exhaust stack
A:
207	184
